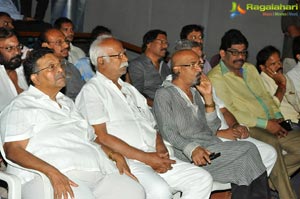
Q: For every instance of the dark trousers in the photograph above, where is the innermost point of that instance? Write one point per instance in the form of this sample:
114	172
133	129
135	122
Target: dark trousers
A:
40	10
258	189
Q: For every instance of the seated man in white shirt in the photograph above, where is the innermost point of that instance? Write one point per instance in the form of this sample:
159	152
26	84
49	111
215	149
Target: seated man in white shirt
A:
123	121
12	78
294	73
280	86
42	130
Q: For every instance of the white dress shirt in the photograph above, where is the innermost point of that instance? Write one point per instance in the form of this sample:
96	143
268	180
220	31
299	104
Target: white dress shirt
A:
75	54
57	133
125	112
294	74
7	89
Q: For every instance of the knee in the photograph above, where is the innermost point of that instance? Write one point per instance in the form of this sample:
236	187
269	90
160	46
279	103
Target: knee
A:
159	190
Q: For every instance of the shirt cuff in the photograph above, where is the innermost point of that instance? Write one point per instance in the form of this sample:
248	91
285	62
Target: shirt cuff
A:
278	115
188	150
262	123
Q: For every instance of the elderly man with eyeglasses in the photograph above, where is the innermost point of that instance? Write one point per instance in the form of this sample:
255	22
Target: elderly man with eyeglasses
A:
186	115
123	121
242	90
12	78
148	71
56	40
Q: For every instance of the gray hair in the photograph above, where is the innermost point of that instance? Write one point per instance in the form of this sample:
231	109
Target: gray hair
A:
185	44
96	50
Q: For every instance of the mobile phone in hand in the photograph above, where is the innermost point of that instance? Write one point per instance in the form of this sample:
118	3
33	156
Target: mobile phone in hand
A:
214	155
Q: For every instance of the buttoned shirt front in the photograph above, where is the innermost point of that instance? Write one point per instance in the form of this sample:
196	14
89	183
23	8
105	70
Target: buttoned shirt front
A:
246	98
145	77
294	74
290	104
7	89
57	133
75	54
125	112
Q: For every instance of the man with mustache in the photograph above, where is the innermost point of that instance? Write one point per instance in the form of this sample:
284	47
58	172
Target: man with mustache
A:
242	90
123	121
11	69
148	71
56	40
191	125
43	130
280	86
66	26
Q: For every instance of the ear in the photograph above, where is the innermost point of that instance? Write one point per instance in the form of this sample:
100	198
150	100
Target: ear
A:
298	57
45	45
100	60
222	53
34	79
262	67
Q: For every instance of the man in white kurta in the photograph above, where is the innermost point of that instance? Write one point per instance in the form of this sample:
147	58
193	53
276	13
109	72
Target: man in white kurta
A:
42	130
122	120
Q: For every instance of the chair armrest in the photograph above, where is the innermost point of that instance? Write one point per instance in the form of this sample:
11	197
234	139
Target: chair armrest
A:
14	185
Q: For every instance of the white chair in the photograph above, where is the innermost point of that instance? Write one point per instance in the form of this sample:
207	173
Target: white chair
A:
14	183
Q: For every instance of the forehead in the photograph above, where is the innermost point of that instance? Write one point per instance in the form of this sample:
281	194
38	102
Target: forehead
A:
67	25
55	35
5	18
112	45
239	47
195	33
274	56
9	41
161	36
185	57
50	57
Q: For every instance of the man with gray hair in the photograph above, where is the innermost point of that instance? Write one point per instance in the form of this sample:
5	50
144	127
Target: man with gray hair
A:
122	120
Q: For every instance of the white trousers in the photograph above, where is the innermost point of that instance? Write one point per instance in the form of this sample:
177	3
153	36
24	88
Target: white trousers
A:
266	151
193	181
92	185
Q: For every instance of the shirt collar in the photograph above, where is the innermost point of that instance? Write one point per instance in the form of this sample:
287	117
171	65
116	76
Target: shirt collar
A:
38	94
101	77
224	68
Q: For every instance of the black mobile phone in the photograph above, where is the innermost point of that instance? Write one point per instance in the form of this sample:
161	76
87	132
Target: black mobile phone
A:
287	125
214	155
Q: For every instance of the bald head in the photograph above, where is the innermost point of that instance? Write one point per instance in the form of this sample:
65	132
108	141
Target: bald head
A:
183	57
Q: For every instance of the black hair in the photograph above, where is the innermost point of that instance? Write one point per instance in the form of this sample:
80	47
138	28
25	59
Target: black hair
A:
58	22
30	63
100	30
264	54
232	37
186	30
150	36
296	48
2	14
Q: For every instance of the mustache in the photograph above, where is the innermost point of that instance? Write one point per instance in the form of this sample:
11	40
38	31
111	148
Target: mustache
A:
59	76
124	64
239	60
13	63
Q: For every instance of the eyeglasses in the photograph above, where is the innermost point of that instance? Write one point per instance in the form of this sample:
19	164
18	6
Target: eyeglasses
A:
11	48
161	41
52	67
236	52
59	43
121	55
193	65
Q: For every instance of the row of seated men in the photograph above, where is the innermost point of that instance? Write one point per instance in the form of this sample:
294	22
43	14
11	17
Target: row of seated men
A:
66	141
